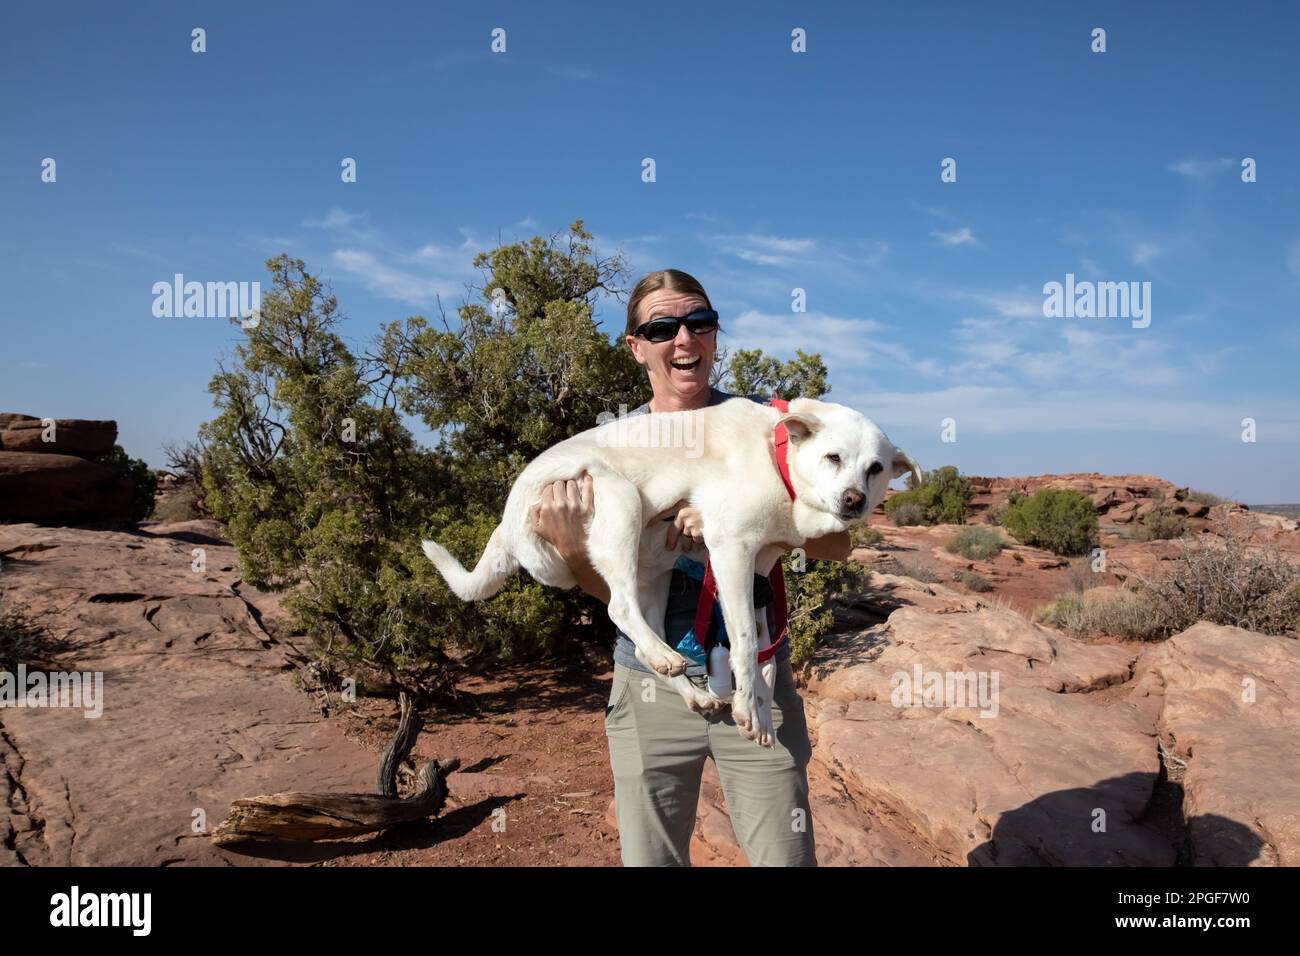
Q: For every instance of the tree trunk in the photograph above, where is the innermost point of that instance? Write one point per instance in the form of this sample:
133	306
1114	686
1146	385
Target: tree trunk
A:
306	817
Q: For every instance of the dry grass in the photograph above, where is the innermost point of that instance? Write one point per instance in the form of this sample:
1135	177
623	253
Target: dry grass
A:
1220	579
22	641
973	581
1103	610
1232	584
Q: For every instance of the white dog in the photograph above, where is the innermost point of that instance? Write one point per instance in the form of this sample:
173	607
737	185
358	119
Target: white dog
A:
722	460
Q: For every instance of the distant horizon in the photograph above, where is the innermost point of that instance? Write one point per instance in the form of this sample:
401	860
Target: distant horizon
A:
1018	254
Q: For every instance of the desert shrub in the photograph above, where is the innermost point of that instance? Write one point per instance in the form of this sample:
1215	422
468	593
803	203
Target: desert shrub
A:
144	482
1206	498
907	569
23	640
865	536
943	497
185	460
976	582
977	542
997	513
1161	524
1228	583
906	515
1058	519
808	593
1080	576
1115	612
181	504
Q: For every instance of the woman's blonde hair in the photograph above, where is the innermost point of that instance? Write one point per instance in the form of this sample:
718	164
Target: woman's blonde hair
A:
674	280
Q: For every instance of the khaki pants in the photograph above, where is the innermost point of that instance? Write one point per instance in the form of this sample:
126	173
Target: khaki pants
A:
657	747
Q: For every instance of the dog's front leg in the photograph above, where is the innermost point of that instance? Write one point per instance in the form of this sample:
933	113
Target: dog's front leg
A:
751	705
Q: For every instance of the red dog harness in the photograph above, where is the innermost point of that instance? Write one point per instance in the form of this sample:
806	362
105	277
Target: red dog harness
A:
709	591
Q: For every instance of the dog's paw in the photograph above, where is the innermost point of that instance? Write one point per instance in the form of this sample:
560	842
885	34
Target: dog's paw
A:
702	703
751	708
666	662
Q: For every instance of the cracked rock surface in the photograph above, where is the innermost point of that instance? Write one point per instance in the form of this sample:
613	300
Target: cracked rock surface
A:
197	710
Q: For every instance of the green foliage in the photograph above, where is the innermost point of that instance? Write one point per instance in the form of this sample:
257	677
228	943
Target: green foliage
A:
1059	519
865	536
1203	497
943	498
907	514
142	478
752	373
1161	524
976	582
977	542
807	594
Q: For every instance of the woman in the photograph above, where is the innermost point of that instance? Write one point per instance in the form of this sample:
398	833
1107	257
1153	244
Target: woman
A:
657	745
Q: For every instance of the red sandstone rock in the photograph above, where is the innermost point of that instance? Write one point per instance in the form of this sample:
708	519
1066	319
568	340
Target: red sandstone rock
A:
59	488
72	436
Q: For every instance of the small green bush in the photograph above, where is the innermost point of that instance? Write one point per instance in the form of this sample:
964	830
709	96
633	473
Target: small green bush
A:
1160	525
917	572
943	498
977	542
976	582
996	514
1104	611
1207	498
144	482
906	514
1058	519
865	536
181	505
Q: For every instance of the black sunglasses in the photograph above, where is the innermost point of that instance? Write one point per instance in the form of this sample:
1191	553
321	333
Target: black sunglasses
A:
665	327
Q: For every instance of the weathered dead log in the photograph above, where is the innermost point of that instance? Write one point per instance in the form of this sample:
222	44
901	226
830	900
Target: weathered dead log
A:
306	817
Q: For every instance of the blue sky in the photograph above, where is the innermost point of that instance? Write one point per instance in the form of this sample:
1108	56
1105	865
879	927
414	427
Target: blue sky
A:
775	170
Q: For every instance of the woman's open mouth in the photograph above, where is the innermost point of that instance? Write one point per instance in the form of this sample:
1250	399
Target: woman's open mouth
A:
686	364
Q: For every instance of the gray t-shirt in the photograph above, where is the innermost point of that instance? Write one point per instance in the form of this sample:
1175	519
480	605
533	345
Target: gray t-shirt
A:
684	592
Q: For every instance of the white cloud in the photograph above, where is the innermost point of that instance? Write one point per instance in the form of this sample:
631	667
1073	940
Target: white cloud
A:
957	237
389	282
1011	305
1010	409
844	343
766	250
571	72
1293	258
1144	252
1200	169
336	218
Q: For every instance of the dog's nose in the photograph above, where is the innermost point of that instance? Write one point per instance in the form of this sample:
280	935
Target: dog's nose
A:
853	500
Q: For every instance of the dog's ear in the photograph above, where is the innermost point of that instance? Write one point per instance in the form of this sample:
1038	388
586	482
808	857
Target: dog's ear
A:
904	463
800	425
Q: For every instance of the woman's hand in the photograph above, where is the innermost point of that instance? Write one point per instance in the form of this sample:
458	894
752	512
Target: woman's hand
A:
688	527
562	514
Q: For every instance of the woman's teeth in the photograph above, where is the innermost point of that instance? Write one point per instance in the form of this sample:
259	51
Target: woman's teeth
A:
686	363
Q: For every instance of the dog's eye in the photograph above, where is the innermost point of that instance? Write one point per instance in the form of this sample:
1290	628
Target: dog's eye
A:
833	459
875	469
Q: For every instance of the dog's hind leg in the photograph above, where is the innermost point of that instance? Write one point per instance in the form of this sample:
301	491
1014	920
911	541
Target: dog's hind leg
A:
751	704
613	544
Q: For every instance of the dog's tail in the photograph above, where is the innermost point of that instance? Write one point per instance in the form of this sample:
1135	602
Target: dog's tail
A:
488	575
